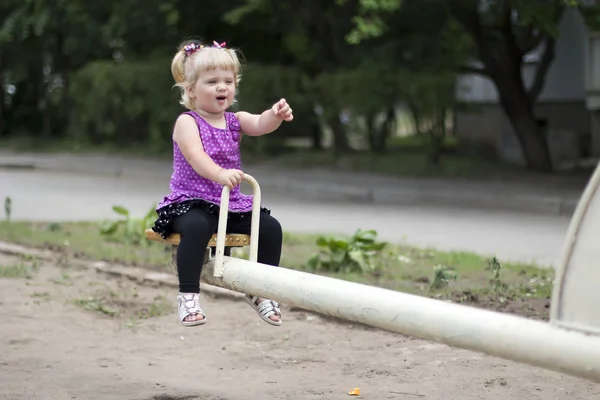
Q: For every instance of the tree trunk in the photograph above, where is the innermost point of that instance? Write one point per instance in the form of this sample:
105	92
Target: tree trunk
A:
316	135
519	109
340	139
386	130
2	100
416	116
501	51
378	135
437	135
371	134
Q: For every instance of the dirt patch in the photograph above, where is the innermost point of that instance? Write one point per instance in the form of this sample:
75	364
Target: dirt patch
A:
51	348
538	309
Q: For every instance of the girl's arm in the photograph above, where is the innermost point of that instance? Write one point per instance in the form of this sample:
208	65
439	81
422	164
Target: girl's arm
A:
267	122
187	137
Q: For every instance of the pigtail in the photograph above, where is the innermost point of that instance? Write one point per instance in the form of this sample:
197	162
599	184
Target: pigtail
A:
178	67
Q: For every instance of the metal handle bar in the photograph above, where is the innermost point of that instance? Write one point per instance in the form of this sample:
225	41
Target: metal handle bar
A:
222	227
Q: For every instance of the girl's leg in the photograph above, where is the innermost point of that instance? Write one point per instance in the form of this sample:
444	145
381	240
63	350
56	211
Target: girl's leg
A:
269	252
269	232
271	240
196	228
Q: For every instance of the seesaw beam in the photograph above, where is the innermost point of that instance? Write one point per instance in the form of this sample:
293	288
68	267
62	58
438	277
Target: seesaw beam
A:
510	337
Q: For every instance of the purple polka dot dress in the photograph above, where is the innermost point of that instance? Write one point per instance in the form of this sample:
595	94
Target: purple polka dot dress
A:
188	189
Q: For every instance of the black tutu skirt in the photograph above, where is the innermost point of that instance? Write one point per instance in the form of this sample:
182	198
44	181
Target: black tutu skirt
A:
164	223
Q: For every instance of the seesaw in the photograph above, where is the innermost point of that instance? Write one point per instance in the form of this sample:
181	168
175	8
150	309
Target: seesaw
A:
569	343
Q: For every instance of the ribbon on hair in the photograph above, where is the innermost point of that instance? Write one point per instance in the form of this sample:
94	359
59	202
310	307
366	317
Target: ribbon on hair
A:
191	48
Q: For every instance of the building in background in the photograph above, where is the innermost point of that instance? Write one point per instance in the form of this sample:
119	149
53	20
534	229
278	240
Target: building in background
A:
568	107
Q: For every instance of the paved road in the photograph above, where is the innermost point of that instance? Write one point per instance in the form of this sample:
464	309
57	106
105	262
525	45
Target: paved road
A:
539	194
61	196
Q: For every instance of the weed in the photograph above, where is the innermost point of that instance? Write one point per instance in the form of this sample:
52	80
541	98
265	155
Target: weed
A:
129	230
93	304
159	307
496	281
7	208
41	295
357	254
25	268
441	277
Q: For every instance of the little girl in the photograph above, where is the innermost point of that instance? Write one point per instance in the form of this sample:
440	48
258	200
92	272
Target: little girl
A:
206	157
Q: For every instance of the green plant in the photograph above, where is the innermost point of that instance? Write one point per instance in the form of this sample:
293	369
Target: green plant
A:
93	304
442	276
129	229
496	281
25	268
357	254
7	207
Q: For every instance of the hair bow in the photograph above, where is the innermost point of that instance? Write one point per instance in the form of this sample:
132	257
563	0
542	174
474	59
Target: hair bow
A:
219	45
191	48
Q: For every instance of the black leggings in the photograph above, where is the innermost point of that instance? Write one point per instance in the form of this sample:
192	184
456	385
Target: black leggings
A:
196	228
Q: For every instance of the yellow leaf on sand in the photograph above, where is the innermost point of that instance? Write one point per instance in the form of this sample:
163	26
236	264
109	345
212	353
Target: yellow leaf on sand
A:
354	392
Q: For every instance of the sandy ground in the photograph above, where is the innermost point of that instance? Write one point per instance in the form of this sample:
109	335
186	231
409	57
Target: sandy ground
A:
52	348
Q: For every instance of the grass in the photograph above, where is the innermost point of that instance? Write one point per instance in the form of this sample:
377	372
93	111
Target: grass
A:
459	276
25	268
120	302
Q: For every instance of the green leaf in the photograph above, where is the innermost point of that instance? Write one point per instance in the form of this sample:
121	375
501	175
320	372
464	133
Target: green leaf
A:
108	227
338	244
121	210
375	247
359	258
132	227
151	215
338	257
322	241
313	263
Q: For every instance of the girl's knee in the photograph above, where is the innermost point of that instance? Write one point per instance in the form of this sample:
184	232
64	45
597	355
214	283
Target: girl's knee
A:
271	240
193	224
270	226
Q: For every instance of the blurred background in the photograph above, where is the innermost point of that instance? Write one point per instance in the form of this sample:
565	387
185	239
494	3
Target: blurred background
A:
412	87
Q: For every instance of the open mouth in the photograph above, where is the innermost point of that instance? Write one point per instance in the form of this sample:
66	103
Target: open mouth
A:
221	98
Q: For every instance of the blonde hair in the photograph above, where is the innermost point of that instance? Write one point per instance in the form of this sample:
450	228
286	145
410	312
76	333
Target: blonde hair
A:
187	68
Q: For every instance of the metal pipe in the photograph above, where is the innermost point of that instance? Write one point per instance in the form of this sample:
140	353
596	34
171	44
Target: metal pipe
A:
222	227
502	335
575	295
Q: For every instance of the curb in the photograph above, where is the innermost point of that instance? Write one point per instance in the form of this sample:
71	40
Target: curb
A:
384	196
74	169
157	279
138	275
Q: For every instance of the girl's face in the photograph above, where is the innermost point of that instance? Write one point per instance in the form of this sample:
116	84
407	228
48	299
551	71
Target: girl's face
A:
214	91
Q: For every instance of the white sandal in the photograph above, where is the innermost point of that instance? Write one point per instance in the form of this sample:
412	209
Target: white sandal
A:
265	309
189	304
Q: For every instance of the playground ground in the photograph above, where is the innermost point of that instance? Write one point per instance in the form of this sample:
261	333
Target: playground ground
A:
59	341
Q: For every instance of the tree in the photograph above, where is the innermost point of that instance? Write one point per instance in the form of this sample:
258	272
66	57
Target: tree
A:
502	32
44	43
313	37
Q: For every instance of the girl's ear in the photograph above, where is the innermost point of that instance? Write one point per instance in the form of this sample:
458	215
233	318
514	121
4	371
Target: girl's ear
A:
190	91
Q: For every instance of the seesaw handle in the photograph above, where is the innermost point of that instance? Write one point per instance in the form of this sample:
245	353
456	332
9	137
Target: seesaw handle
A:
222	227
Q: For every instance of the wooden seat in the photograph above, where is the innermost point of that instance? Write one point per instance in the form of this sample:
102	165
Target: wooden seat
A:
231	240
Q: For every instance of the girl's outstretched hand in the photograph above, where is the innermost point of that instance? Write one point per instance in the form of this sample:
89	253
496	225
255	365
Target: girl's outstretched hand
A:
230	177
282	110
